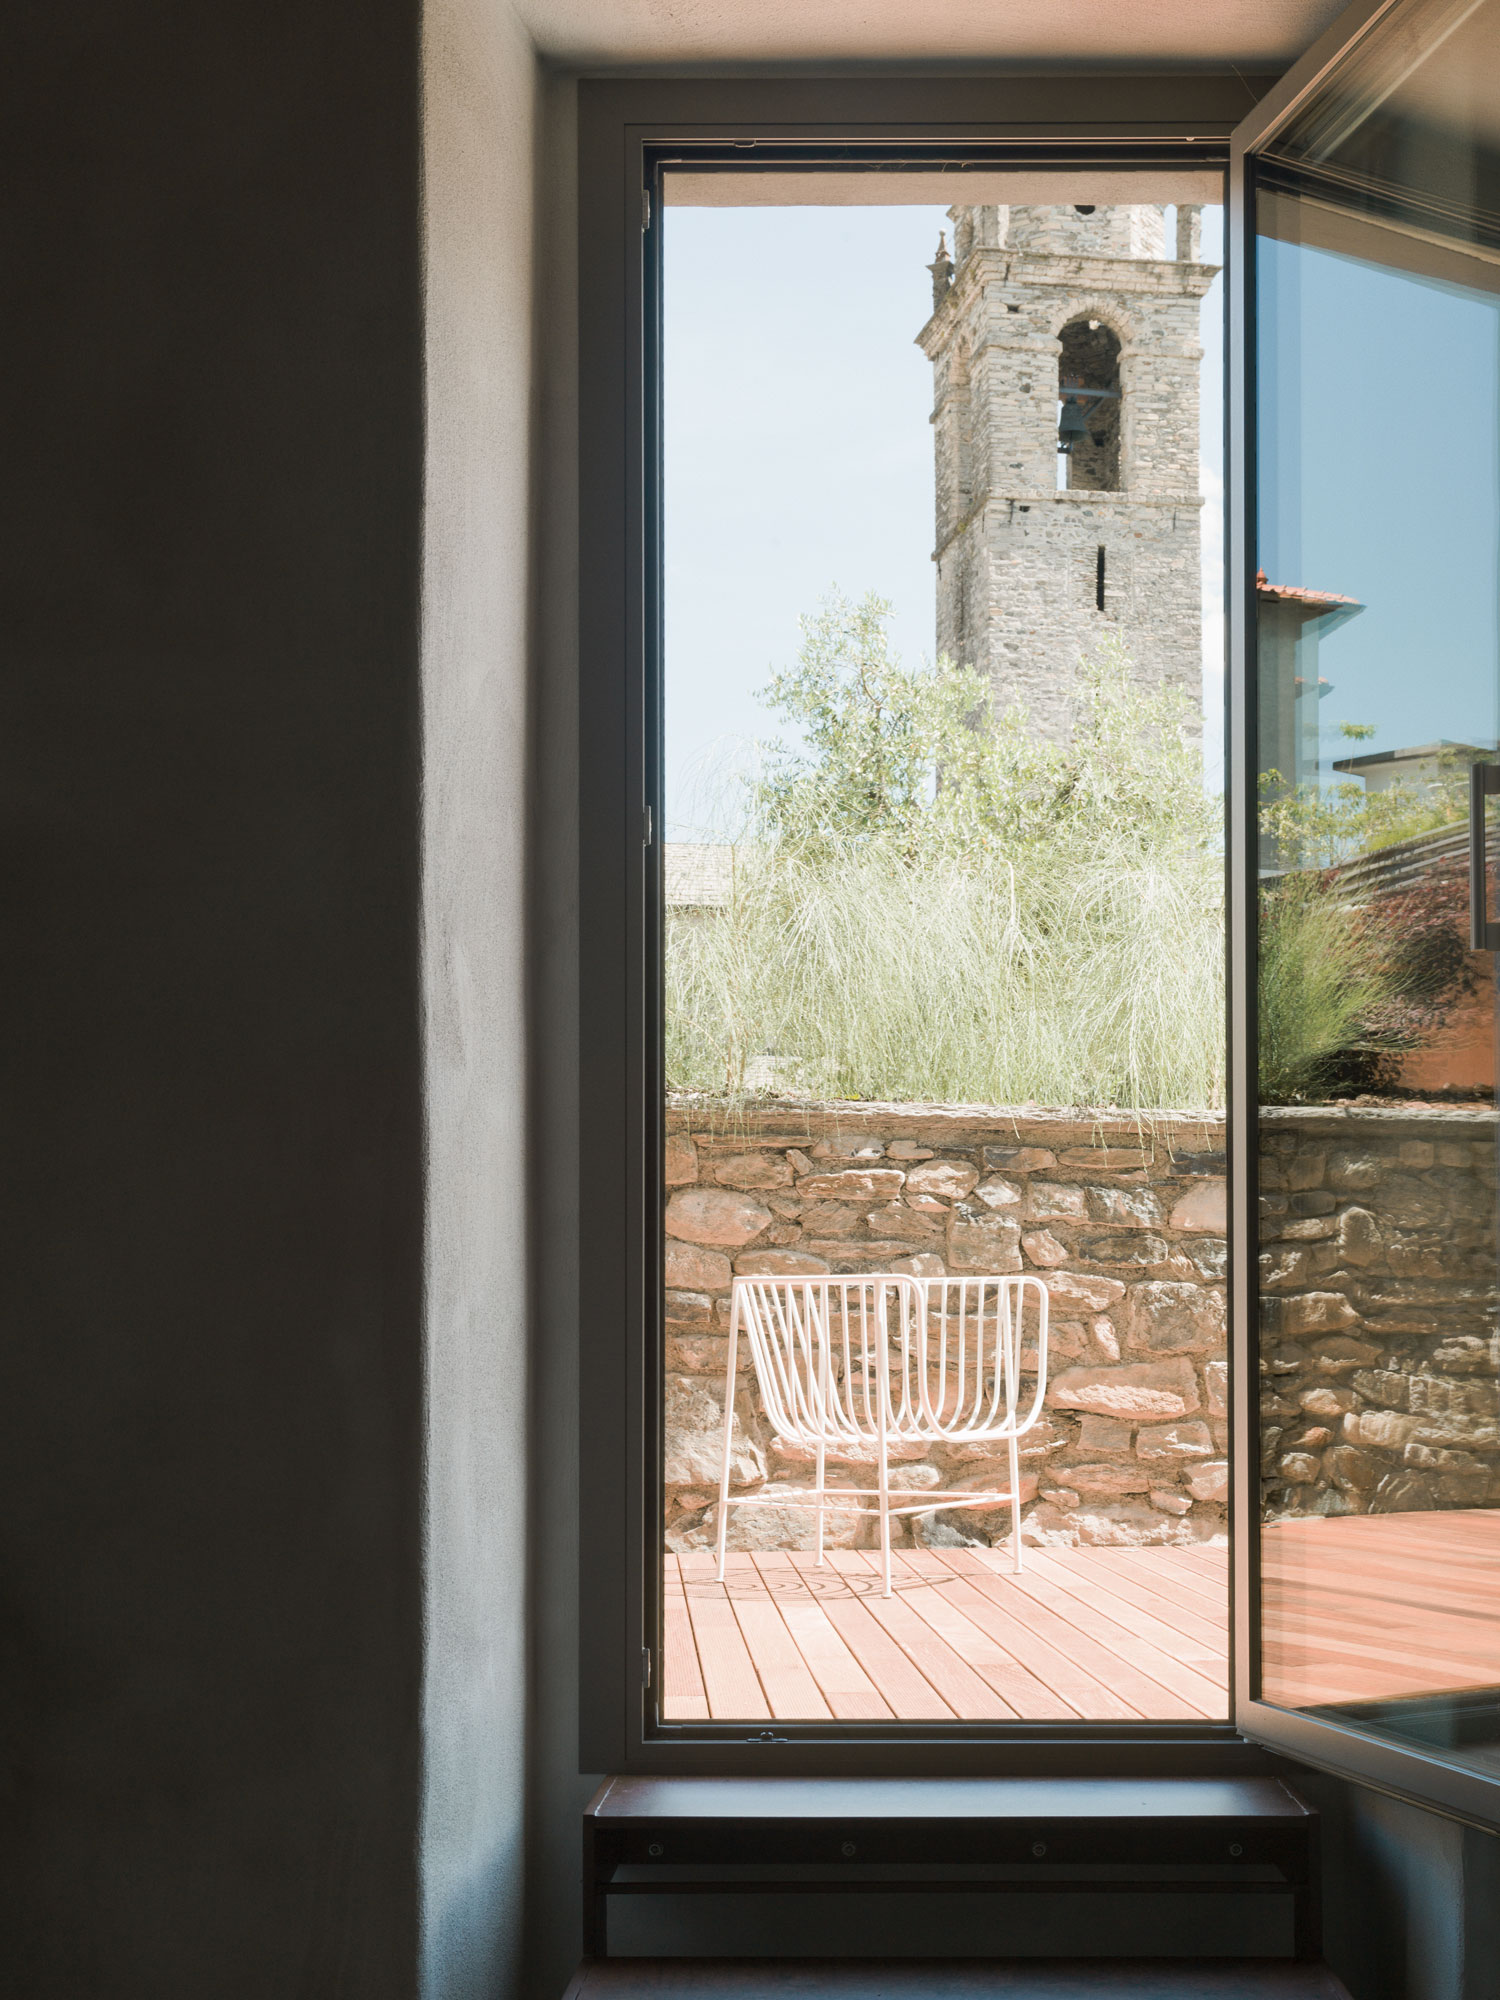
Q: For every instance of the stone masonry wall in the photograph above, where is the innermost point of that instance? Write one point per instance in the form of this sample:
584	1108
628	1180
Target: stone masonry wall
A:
1126	1227
1380	1363
1017	560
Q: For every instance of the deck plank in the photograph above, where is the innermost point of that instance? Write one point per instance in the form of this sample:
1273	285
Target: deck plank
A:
1082	1634
1206	1630
970	1697
1155	1628
1006	1617
1075	1631
729	1678
845	1686
682	1691
1180	1576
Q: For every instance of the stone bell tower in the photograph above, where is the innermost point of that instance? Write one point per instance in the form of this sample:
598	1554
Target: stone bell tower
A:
1078	314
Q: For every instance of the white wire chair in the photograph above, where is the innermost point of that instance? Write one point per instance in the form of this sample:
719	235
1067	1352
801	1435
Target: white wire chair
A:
856	1365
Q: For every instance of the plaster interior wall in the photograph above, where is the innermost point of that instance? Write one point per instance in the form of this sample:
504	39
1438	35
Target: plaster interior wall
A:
244	1696
210	1380
480	86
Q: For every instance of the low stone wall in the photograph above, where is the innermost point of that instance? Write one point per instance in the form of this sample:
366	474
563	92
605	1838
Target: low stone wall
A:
1379	1358
1125	1223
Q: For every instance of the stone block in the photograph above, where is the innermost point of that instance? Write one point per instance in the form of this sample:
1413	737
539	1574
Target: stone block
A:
679	1161
1403	1493
1360	1240
1314	1312
862	1184
1104	1159
1354	1470
1124	1524
1043	1248
985	1245
948	1180
1055	1201
993	1478
1082	1291
907	1149
1201	1208
691	1269
852	1452
1186	1440
1209	1482
787	1522
849	1146
832	1218
698	1354
925	1264
1216	1383
715	1216
1305	1229
1323	1401
1354	1170
916	1478
1020	1159
1208	1255
1095	1482
1337	1354
896	1219
1416	1153
1169	1318
1104	1434
690	1309
693	1438
1304	1169
1144	1389
1169	1502
1124	1207
779	1264
1126	1247
997	1192
754	1170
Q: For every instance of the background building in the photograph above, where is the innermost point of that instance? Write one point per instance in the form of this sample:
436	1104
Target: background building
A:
1081	316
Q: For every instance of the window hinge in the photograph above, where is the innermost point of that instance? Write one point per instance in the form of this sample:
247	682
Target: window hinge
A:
646	826
645	1666
645	208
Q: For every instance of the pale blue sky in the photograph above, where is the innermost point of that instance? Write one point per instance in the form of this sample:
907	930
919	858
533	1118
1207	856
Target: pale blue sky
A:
1380	480
799	457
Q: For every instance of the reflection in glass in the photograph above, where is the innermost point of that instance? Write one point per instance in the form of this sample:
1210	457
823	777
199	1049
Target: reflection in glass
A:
1378	604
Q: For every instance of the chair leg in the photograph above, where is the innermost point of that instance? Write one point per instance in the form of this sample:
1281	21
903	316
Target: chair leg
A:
822	1490
885	1523
1015	1501
734	1341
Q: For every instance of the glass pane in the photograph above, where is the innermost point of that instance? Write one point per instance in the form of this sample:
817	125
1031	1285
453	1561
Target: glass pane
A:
943	883
1379	704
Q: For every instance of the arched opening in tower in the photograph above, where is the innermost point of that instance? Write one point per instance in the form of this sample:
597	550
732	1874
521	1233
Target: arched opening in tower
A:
1090	361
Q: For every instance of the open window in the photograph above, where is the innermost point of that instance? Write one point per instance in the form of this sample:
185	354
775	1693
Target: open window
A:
885	654
1367	713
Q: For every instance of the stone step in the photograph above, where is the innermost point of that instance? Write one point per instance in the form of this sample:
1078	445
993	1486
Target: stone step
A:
927	1979
964	1868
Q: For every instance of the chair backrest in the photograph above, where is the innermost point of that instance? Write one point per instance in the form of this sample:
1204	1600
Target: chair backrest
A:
849	1360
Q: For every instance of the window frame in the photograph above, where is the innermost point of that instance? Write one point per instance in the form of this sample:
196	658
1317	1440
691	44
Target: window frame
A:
625	129
1424	1777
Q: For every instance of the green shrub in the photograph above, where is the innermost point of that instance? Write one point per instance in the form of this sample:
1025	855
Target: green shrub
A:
929	903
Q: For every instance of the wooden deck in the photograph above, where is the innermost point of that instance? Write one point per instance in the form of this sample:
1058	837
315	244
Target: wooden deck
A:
1372	1607
1081	1635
